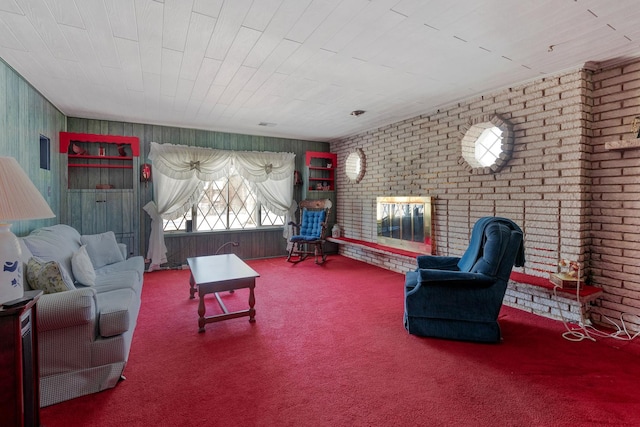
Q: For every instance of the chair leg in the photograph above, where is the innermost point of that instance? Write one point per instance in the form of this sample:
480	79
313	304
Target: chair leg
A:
293	247
297	251
320	250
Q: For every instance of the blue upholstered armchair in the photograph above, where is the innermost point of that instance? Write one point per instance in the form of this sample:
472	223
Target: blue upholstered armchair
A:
460	298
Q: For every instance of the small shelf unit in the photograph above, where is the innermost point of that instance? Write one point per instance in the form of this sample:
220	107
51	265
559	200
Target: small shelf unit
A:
321	168
100	152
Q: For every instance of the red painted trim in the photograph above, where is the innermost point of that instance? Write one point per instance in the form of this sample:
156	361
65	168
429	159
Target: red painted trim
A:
377	246
546	283
67	137
515	276
322	155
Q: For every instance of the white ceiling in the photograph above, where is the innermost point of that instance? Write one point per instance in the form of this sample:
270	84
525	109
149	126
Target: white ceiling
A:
299	65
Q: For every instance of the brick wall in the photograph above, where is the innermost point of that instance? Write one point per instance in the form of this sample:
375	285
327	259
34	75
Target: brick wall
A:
545	187
615	189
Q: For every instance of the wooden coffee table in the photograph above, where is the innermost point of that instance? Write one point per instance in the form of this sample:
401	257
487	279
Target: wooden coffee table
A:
219	273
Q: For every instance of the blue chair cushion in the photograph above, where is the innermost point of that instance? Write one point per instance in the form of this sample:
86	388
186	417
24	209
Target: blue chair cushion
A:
311	227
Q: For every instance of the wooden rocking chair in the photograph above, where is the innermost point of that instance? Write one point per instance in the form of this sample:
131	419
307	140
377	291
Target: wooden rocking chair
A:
310	231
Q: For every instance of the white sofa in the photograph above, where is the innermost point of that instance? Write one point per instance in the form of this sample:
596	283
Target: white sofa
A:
84	330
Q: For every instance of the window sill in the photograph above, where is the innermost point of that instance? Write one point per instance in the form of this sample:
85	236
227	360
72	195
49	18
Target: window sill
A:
170	234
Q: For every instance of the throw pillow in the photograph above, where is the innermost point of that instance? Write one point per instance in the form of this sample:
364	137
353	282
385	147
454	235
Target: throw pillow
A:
102	248
47	276
82	267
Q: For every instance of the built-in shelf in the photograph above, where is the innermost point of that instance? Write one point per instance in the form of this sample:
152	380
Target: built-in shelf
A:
321	168
93	161
625	144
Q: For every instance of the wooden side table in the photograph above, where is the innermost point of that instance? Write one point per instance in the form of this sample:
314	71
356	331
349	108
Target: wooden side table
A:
20	374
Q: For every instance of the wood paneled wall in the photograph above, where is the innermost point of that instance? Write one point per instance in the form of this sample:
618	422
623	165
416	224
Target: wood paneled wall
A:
253	243
25	115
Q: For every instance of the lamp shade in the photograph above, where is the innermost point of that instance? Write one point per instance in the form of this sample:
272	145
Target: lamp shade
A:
19	200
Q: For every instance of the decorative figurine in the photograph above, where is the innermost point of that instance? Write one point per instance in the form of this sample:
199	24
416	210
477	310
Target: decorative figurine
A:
78	150
121	150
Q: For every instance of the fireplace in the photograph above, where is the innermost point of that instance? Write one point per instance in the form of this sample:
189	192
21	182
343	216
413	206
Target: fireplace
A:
405	223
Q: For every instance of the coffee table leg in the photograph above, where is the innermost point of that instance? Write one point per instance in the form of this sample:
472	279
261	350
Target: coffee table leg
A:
201	310
252	302
192	287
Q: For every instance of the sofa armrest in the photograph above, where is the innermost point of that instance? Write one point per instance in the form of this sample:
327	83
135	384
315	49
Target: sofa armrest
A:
438	262
116	308
65	309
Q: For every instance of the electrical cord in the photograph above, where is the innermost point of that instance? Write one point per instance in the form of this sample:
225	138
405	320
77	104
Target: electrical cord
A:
586	331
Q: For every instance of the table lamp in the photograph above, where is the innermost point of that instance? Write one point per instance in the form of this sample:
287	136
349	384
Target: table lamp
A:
19	200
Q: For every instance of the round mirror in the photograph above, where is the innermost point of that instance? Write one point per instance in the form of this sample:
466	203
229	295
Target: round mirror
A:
355	165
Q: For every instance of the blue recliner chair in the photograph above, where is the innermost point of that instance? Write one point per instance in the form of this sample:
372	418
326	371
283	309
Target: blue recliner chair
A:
460	298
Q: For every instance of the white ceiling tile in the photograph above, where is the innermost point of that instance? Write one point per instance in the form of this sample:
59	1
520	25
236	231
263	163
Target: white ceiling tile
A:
260	14
171	61
361	23
128	51
236	84
237	103
21	28
227	26
150	14
267	89
10	6
151	87
367	42
94	17
65	12
183	94
271	64
7	39
122	18
317	12
41	19
244	41
208	71
200	32
208	7
177	15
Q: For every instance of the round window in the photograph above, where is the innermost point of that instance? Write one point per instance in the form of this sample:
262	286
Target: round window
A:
487	145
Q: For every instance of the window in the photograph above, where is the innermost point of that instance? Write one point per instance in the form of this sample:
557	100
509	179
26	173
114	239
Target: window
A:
487	146
226	204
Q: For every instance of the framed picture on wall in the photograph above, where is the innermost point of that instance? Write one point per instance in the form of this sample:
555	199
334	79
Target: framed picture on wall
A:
45	153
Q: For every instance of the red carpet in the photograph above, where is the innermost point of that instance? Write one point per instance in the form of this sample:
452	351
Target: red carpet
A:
328	349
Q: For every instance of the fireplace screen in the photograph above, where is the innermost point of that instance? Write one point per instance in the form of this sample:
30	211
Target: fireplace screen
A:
405	223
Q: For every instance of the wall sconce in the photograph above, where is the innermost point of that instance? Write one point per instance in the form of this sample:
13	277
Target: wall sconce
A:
145	173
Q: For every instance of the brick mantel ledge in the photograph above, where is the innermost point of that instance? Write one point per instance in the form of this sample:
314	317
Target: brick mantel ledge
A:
531	293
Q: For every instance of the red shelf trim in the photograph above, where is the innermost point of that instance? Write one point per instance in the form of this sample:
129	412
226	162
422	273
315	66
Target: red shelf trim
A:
78	156
67	137
87	165
333	157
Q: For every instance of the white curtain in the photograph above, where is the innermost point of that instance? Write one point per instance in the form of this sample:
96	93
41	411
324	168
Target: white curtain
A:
181	171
